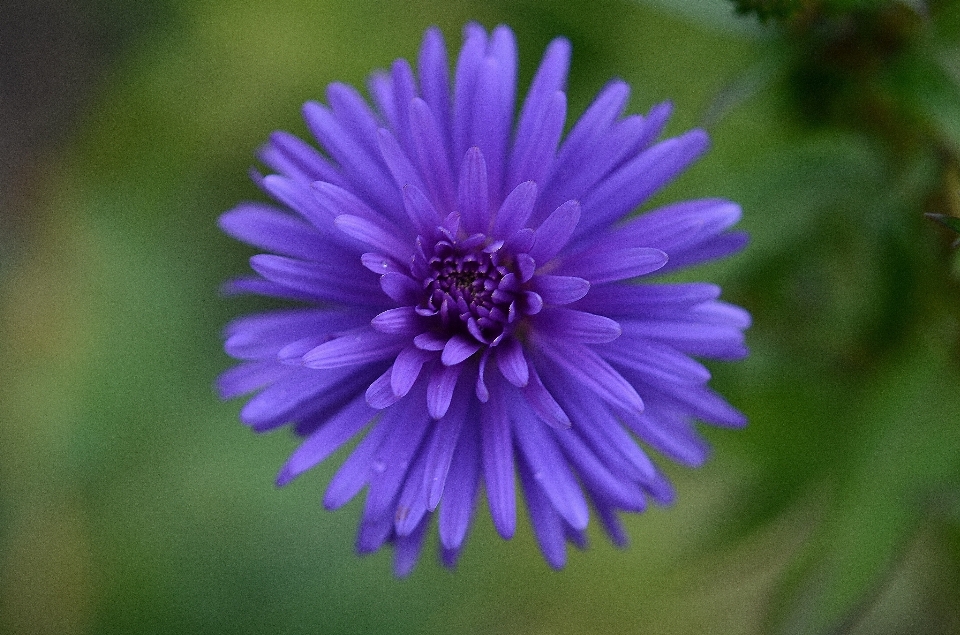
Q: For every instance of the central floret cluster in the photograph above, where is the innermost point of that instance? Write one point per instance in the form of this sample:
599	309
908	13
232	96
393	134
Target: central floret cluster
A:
474	286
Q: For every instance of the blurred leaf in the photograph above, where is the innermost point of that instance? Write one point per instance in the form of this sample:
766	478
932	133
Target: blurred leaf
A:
904	456
922	82
716	15
950	222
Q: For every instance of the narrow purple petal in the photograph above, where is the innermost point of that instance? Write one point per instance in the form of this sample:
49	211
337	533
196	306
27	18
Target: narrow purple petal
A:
553	233
360	346
406	369
400	287
602	266
408	548
440	389
431	152
421	212
533	154
515	210
560	289
379	394
268	228
446	431
467	72
412	503
458	348
355	472
498	463
512	363
366	171
293	157
403	171
460	492
549	80
264	334
586	367
547	526
435	82
355	116
593	124
382	236
577	326
400	321
657	361
636	181
654	300
326	440
542	402
408	426
472	195
249	376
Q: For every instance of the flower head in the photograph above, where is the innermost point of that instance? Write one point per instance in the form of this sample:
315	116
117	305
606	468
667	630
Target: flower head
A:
470	304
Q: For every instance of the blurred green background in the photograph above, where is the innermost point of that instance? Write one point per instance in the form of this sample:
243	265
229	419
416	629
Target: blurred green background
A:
133	501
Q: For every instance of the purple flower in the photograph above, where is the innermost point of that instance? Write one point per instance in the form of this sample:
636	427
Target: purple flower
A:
469	301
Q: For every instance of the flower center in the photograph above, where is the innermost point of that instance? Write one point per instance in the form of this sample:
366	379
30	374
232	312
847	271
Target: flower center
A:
470	287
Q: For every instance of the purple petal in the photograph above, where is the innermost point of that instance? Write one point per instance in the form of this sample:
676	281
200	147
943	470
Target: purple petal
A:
408	548
400	321
263	334
434	81
553	233
440	389
408	426
602	266
549	80
320	280
550	472
636	181
293	157
577	326
431	150
560	289
653	300
587	368
326	440
533	154
249	376
597	478
446	431
515	210
360	346
472	195
460	492
512	363
401	288
657	361
543	404
406	369
355	116
458	348
403	171
379	394
355	472
498	464
465	81
366	171
547	526
381	235
268	228
421	212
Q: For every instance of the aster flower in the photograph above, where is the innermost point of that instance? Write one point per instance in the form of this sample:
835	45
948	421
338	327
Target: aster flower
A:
469	303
